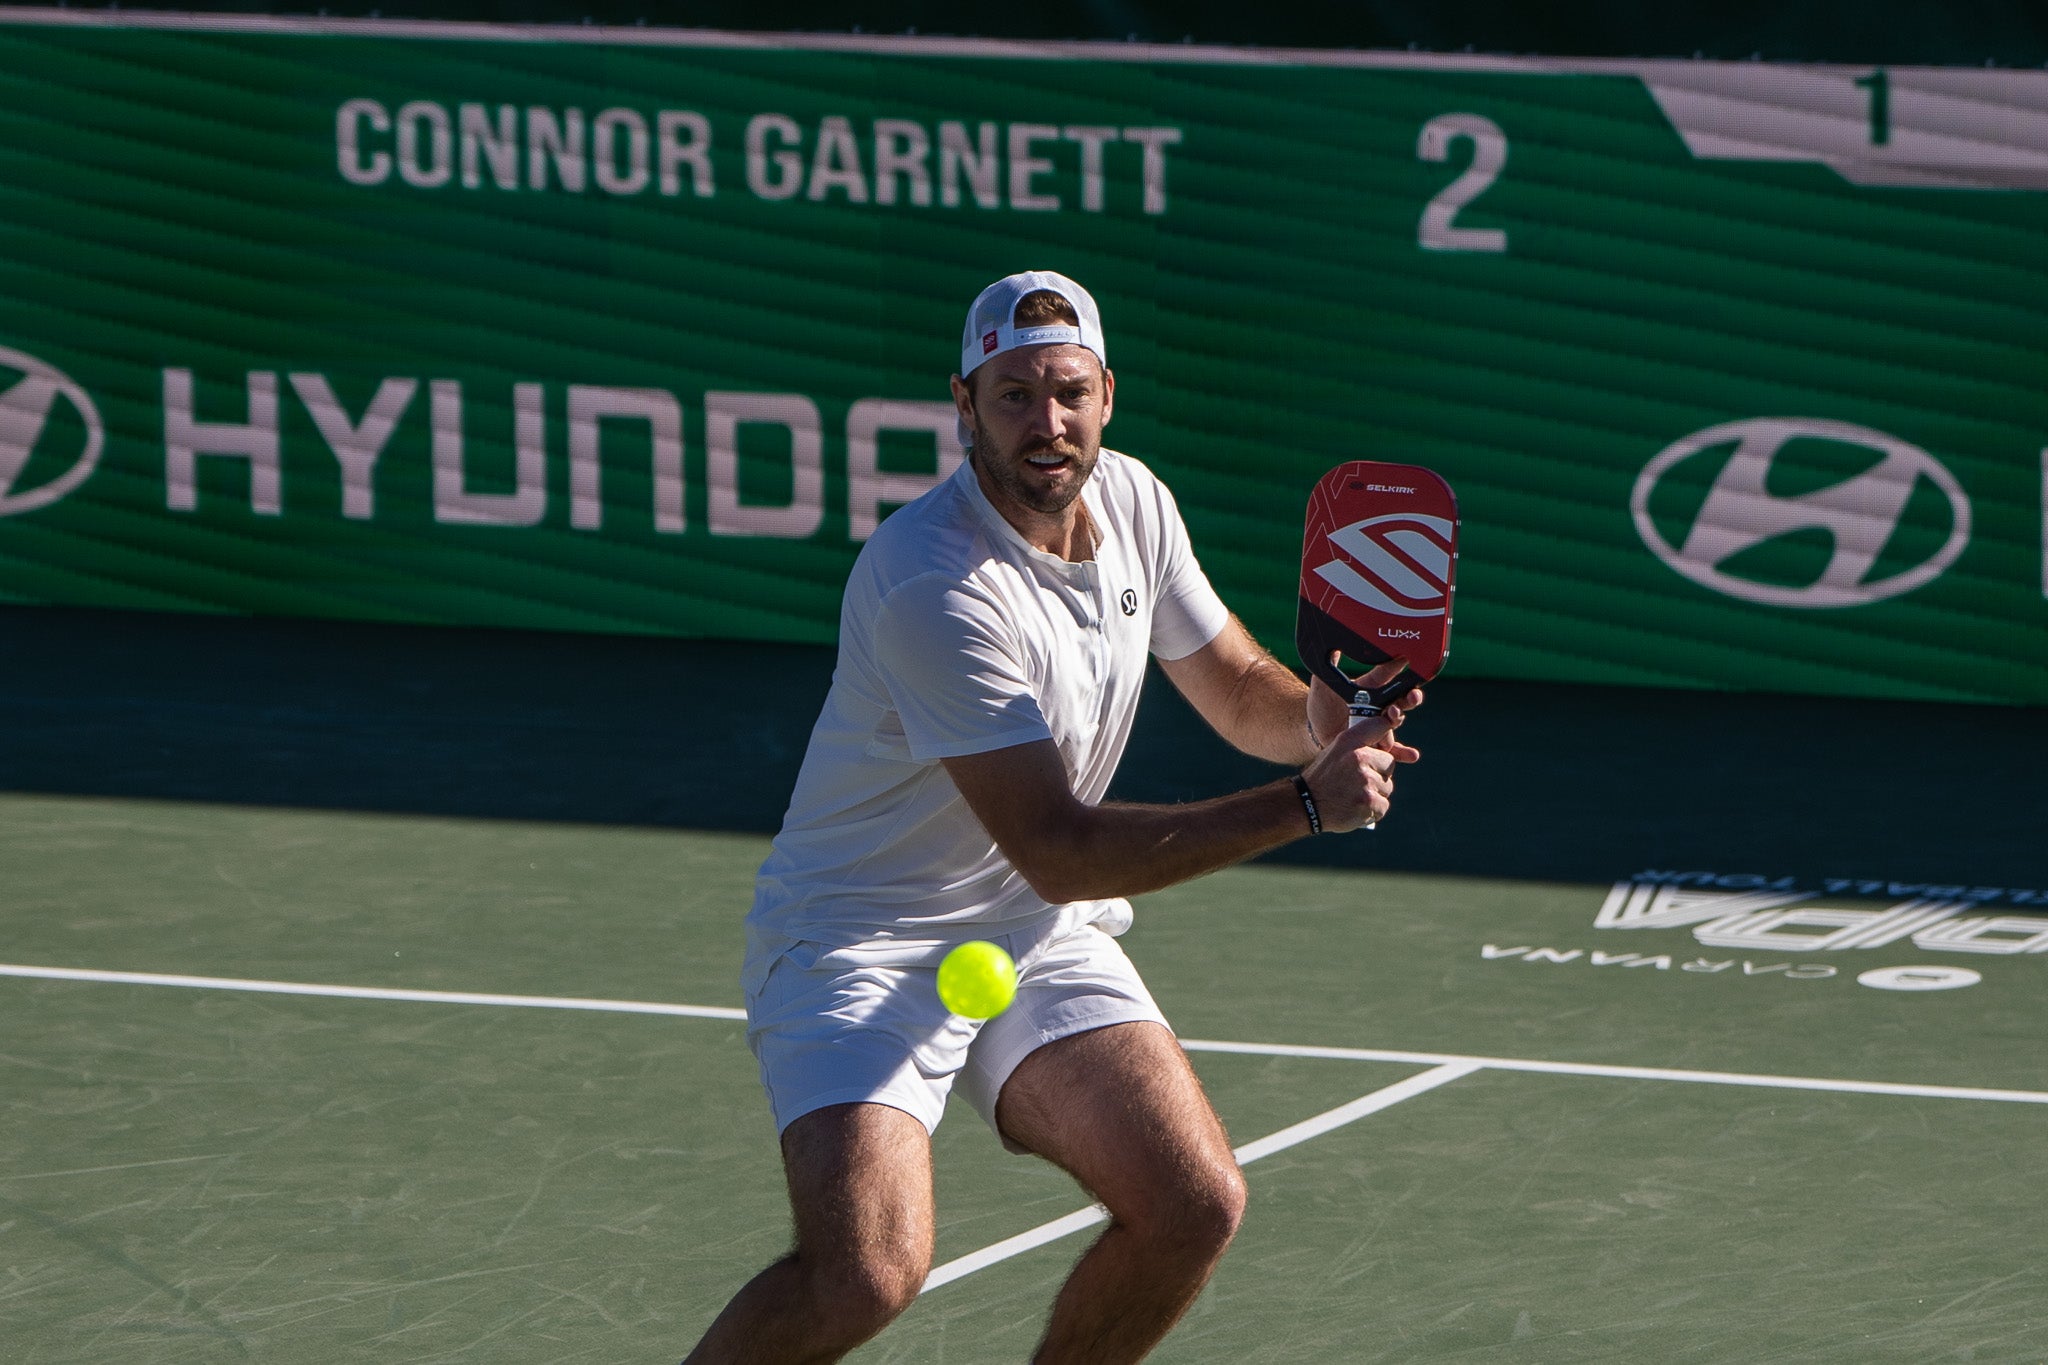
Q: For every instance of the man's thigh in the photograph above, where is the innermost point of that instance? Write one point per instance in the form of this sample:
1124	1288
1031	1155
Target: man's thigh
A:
1121	1109
860	1186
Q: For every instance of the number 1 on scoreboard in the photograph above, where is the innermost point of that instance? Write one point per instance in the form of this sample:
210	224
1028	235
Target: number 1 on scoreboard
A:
1880	87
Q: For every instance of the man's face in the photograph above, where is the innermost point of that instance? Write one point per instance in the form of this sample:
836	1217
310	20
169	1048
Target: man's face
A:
1037	415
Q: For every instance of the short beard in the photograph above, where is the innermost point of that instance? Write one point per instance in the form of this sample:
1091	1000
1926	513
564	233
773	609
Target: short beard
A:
1000	467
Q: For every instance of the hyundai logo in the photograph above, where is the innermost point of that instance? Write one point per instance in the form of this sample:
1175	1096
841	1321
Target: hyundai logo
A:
1859	513
25	409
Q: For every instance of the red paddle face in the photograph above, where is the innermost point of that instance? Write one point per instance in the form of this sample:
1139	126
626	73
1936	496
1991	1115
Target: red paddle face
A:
1379	555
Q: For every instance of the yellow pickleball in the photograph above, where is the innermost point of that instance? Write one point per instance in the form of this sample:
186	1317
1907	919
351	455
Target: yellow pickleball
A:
977	980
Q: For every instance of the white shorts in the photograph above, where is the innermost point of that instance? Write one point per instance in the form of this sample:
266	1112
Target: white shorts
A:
827	1032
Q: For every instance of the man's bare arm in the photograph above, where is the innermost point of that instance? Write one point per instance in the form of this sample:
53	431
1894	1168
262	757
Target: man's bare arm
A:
1248	697
1069	850
1259	706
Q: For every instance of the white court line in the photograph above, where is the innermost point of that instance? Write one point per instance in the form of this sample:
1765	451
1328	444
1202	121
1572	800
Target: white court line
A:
225	983
1445	1067
1631	1073
1014	1246
123	1166
1290	1136
1342	1054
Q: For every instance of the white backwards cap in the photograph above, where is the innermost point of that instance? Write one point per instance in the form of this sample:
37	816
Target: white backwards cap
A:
992	327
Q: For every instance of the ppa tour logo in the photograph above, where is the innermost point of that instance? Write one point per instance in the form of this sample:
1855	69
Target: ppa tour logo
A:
1689	925
50	433
1804	512
1398	563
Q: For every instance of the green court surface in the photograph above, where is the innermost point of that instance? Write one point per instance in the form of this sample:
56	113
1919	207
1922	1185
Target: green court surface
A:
1611	1150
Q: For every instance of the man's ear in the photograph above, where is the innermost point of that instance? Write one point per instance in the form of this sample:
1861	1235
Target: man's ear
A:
963	401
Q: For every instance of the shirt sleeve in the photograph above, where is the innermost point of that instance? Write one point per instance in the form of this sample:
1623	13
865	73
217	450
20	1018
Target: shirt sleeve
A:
1188	613
954	671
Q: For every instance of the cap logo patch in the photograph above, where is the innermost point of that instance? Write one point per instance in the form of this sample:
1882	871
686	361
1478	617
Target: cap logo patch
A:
988	343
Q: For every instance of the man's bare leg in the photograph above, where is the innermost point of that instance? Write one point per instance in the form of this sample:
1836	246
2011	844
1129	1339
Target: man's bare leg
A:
1120	1109
860	1186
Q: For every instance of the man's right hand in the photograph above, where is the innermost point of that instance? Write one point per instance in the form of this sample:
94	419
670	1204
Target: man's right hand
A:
1352	779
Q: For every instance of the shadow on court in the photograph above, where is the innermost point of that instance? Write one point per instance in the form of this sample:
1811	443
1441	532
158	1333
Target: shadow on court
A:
1519	780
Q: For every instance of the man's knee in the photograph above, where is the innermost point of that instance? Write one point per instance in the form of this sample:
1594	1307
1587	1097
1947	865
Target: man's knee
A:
860	1187
856	1298
1215	1206
1197	1213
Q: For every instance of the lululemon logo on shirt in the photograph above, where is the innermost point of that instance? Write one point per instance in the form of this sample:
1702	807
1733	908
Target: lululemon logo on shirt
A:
1129	602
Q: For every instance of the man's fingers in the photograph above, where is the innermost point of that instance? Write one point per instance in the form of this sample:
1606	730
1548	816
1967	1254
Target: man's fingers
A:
1403	753
1378	739
1371	732
1383	674
1379	786
1379	676
1407	701
1386	673
1379	729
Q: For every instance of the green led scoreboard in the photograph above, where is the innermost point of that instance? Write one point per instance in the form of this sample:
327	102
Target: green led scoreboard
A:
1740	369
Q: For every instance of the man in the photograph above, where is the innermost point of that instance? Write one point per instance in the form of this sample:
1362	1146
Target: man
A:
992	643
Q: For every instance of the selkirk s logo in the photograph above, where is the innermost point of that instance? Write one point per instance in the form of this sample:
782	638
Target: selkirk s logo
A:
25	410
1398	563
1861	514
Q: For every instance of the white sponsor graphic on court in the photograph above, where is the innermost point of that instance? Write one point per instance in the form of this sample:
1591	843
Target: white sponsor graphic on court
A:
1793	921
1751	925
1656	962
1709	880
1859	514
1754	926
26	409
1918	978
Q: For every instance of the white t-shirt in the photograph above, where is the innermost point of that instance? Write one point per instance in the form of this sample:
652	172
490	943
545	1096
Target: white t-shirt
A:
956	636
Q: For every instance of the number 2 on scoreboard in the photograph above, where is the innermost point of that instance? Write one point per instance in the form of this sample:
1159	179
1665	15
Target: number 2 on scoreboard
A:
1438	230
